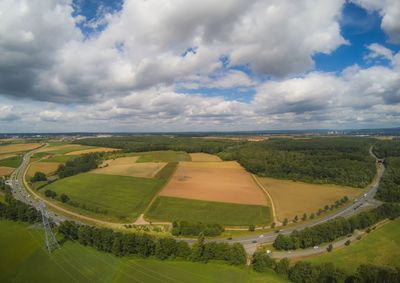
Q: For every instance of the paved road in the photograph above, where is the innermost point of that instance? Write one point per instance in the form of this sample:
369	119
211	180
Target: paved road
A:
249	242
19	191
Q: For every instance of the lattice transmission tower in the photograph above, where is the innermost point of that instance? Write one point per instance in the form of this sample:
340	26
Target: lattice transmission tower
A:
51	242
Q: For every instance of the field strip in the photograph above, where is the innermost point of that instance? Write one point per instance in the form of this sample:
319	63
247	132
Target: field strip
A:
275	219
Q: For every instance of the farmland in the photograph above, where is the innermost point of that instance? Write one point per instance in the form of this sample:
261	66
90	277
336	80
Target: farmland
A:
295	198
13	161
120	196
22	255
46	167
127	166
20	147
171	209
380	247
163	156
91	150
214	181
204	157
4	171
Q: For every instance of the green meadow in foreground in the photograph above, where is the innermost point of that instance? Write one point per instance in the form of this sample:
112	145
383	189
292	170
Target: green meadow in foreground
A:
380	247
171	209
121	196
24	259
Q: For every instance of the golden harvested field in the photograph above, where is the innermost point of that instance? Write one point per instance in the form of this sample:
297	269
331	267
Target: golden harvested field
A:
4	171
214	181
126	166
295	198
92	150
18	147
45	167
201	157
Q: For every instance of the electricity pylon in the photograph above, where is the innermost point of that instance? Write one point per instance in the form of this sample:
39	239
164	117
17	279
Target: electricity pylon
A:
51	242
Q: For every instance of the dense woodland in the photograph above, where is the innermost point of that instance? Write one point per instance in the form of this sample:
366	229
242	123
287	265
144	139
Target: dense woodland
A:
145	245
389	188
302	272
343	161
335	228
78	165
151	143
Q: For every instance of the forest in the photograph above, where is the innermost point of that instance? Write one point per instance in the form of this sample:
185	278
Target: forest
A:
335	228
336	160
389	188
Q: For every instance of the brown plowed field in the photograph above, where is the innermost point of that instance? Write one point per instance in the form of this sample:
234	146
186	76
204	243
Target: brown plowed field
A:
295	198
214	181
45	167
202	157
126	166
4	171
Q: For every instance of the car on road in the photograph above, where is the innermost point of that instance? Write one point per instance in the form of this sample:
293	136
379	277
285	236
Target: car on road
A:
254	242
315	247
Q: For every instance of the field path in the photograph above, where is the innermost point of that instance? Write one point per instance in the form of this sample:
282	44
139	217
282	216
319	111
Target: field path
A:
275	219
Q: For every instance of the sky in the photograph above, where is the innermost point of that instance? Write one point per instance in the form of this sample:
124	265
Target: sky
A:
189	65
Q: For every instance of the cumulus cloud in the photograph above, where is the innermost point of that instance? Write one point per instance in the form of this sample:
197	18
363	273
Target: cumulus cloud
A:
46	57
390	12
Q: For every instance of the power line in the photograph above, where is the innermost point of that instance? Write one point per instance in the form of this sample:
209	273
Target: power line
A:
51	242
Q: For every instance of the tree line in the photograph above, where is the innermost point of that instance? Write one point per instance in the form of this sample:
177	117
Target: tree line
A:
184	228
145	245
335	228
78	165
302	272
152	143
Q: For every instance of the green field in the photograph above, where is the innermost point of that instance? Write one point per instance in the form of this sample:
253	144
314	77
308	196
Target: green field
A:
24	259
379	247
13	162
166	172
170	209
163	156
61	158
68	150
121	196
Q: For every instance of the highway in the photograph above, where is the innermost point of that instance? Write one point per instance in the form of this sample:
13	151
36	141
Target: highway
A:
20	193
249	242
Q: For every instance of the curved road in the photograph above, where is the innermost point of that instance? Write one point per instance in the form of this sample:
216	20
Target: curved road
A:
249	242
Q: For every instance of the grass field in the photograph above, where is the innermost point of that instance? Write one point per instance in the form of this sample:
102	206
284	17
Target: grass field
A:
295	198
119	195
204	157
5	171
23	259
214	181
127	166
380	247
60	158
46	167
170	209
163	156
13	161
